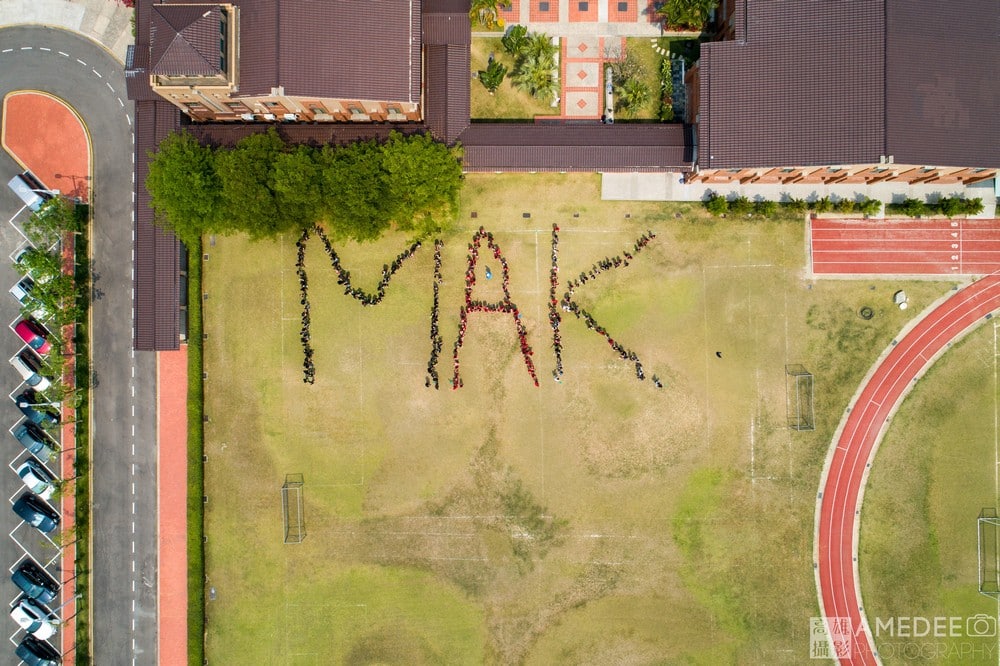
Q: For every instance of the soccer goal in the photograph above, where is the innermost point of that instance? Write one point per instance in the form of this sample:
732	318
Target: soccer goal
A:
292	508
989	554
799	397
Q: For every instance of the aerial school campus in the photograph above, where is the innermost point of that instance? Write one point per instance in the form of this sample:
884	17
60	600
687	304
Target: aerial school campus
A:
602	377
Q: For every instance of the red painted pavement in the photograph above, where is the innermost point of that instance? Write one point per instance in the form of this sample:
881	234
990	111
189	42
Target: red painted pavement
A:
172	505
906	247
845	475
44	135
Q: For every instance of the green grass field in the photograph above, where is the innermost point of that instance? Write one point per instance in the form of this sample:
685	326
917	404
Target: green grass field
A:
599	520
934	472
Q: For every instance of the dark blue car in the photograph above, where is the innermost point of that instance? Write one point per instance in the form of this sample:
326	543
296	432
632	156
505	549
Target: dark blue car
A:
35	583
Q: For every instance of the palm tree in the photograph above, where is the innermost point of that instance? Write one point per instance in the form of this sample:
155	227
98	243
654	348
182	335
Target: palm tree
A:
493	75
540	46
690	14
630	96
487	12
535	77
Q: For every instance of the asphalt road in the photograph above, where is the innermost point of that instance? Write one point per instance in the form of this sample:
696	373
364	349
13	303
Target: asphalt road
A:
123	442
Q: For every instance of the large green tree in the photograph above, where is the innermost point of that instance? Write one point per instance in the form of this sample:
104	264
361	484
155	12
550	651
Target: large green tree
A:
184	186
249	199
423	177
355	197
263	187
296	182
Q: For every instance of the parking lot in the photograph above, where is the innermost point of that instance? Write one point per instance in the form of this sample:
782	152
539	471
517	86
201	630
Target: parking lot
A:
25	542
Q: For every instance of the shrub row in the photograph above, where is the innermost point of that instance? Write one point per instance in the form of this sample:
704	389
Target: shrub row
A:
946	206
718	205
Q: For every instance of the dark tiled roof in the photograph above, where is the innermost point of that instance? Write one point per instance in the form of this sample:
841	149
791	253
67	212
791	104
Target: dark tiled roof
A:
446	28
157	298
850	82
943	83
185	40
446	107
137	75
338	48
576	147
804	88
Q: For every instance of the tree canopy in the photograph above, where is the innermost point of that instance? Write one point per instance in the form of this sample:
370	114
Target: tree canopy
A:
264	187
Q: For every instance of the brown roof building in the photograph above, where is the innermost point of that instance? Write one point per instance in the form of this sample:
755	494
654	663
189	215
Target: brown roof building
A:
850	91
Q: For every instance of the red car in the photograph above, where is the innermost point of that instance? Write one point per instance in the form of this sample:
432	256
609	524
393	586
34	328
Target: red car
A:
33	335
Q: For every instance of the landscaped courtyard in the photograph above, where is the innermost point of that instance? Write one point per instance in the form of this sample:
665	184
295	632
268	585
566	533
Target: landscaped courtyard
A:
597	519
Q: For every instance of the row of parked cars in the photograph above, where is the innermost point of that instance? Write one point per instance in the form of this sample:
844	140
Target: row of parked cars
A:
38	589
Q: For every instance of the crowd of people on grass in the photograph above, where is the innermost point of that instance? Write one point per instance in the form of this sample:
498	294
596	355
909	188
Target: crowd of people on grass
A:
436	340
569	305
504	306
308	367
554	318
344	276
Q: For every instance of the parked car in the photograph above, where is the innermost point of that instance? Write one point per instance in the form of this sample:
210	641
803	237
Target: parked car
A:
35	583
22	294
34	652
33	618
29	367
37	513
38	479
39	413
34	439
34	335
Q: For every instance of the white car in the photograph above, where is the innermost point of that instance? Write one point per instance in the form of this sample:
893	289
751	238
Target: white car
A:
34	619
22	294
30	368
38	479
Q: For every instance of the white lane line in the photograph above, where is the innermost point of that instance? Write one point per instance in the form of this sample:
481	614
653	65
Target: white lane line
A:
122	103
109	86
133	395
129	119
133	605
133	547
27	48
133	525
81	62
133	513
6	51
65	55
133	409
133	427
133	623
133	571
133	580
44	48
133	453
99	75
133	487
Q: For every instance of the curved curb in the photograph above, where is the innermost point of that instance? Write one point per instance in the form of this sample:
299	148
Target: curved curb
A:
900	365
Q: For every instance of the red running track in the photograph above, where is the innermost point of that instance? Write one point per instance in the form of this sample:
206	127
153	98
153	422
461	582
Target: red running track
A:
907	247
845	474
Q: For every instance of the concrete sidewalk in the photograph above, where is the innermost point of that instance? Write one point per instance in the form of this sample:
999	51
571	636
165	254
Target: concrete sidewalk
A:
668	187
107	22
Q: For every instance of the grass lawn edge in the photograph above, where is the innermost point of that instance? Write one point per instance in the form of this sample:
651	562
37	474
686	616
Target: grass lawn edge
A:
195	449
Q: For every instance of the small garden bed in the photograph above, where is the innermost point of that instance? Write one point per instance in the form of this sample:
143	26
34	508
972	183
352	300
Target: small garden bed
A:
508	102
